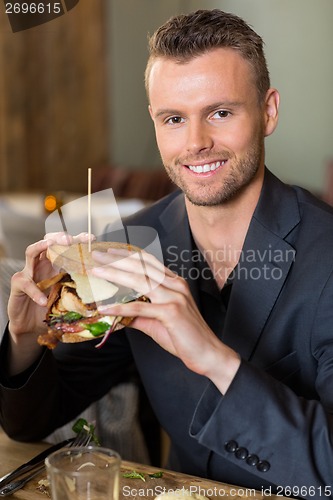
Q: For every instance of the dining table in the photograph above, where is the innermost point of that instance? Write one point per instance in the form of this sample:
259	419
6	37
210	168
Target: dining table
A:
142	487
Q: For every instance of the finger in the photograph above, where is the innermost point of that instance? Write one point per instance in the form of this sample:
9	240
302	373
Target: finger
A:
139	282
23	285
134	263
148	258
121	254
84	237
33	254
140	275
132	309
60	238
64	238
158	286
152	269
166	313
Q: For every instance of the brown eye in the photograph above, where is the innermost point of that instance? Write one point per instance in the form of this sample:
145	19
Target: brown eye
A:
175	120
222	113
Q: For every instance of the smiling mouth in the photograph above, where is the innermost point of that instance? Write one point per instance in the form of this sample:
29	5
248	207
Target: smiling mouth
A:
206	167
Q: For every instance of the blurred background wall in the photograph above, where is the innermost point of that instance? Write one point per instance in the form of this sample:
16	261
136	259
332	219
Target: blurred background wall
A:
298	38
54	116
72	93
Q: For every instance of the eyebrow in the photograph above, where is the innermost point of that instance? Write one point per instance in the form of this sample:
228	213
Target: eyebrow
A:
206	109
163	112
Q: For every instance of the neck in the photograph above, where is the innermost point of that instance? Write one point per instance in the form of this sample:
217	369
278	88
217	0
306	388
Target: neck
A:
221	230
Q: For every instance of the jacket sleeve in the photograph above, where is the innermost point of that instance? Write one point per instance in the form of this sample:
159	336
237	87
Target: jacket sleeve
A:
263	426
60	385
263	418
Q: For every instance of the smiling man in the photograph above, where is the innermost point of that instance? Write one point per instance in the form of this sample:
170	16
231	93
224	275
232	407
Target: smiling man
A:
212	105
210	124
235	346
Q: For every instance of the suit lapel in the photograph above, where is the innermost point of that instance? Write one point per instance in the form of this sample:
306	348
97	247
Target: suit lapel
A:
259	277
264	266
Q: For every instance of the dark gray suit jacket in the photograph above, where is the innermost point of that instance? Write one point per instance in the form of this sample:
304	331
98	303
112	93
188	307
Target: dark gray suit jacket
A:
274	426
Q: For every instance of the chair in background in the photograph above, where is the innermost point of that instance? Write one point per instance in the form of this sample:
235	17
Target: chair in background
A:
149	185
19	231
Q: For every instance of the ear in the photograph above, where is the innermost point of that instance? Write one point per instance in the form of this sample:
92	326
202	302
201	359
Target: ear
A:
150	112
271	111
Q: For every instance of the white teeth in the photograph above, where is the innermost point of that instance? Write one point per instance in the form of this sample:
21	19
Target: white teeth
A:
208	167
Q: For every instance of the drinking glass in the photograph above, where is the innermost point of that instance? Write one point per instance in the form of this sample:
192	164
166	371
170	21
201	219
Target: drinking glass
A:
84	473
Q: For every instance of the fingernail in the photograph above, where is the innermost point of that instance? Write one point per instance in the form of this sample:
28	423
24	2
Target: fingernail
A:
88	236
42	301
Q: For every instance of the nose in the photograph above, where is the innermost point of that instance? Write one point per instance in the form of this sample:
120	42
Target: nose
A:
199	137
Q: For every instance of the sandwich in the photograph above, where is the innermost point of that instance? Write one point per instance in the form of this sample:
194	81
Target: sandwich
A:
74	296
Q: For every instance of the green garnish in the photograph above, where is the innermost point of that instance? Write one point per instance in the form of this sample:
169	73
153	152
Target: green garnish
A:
98	328
81	424
156	475
69	317
134	475
72	316
139	475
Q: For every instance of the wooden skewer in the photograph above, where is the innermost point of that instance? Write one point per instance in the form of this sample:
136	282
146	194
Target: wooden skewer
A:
89	209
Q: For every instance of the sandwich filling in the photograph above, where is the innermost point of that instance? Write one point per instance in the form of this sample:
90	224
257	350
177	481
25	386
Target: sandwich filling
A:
68	314
74	296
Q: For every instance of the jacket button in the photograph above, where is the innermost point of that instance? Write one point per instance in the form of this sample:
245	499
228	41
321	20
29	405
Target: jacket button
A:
263	466
252	460
231	446
241	453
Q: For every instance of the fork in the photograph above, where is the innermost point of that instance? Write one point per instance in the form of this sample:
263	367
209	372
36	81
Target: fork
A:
82	439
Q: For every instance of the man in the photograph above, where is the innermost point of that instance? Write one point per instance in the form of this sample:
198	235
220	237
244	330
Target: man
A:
236	357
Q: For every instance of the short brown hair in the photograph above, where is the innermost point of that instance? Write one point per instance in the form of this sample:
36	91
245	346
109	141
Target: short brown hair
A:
186	36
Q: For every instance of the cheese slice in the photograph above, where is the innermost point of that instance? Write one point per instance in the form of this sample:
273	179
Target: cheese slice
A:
92	289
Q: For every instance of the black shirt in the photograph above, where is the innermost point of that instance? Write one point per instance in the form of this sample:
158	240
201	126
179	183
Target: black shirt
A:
213	300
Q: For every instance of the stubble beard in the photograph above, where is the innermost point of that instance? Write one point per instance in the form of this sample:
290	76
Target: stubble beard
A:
206	193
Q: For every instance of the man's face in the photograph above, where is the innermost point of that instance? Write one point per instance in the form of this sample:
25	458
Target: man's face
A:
209	124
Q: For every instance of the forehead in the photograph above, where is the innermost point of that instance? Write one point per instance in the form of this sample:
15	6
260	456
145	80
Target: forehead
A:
222	72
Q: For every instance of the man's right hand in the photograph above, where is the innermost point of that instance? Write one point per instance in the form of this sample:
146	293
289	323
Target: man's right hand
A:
27	308
27	303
